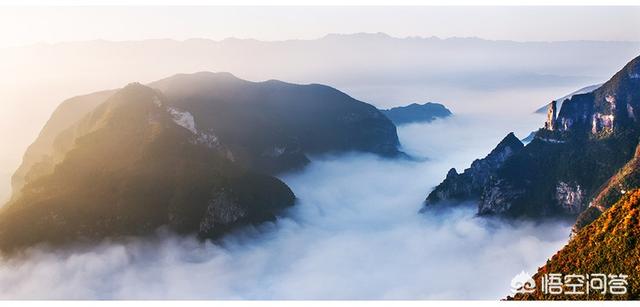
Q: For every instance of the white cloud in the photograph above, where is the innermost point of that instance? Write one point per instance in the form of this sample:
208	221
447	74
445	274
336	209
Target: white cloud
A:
355	234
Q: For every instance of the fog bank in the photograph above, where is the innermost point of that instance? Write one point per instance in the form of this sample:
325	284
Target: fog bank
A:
354	234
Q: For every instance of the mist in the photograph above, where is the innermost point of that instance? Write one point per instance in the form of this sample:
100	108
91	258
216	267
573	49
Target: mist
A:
355	233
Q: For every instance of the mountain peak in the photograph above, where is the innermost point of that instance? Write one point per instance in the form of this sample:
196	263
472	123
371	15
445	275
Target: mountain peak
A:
133	94
509	141
135	88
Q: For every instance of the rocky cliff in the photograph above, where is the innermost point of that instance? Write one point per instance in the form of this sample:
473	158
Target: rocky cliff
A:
566	164
561	100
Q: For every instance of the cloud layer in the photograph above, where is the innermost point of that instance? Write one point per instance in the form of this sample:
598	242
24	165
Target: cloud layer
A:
354	234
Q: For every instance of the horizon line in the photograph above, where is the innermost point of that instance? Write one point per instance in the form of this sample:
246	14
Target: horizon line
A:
325	36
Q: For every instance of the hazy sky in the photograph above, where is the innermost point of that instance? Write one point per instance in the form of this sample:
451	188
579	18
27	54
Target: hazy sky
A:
28	25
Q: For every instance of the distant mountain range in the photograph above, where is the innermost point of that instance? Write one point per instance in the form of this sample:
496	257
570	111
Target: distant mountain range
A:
416	113
193	152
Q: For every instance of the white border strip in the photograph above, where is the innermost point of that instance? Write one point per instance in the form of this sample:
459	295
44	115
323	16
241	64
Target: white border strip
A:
321	2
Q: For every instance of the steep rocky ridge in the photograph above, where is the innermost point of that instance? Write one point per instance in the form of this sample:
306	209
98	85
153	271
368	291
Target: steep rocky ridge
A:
568	161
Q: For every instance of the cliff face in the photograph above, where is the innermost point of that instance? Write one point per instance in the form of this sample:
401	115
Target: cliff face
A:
550	123
560	101
568	161
611	107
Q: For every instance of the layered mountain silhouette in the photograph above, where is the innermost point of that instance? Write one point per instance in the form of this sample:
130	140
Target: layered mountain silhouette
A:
568	162
417	113
195	153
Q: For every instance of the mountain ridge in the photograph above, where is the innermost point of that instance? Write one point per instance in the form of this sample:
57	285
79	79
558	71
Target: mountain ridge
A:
194	152
565	165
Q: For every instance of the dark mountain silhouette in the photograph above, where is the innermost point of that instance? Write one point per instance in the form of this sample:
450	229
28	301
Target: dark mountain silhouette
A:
271	126
471	183
416	113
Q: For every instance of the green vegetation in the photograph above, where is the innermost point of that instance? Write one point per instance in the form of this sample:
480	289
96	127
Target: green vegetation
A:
609	245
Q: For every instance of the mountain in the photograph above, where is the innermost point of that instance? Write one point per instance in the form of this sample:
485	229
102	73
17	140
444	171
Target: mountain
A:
471	183
267	126
416	113
272	126
559	101
569	160
607	246
40	155
624	180
134	166
529	138
195	153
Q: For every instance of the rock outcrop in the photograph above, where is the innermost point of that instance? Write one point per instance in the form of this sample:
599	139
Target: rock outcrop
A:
560	101
550	123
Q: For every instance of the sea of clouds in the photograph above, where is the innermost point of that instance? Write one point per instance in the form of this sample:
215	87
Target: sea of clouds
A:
355	233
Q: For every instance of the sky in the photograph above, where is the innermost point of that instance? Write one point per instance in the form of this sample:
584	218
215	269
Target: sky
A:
30	25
